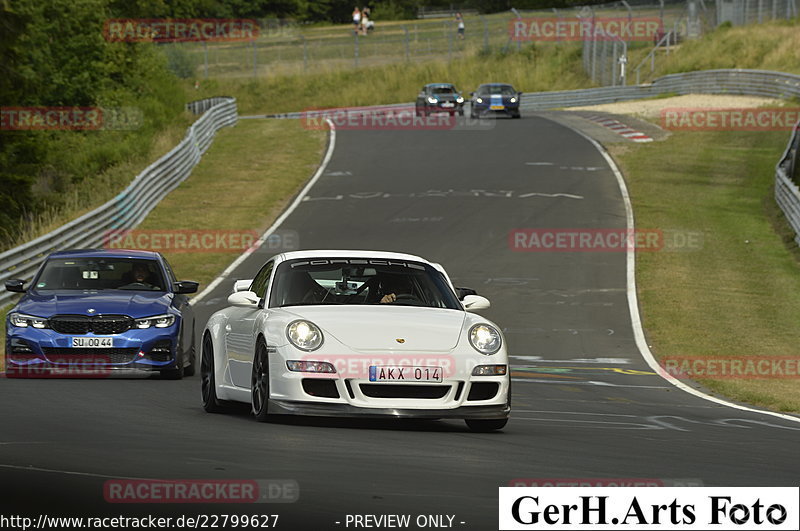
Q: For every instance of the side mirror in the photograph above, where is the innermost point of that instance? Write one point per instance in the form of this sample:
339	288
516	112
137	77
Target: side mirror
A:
519	94
16	285
242	285
473	303
471	93
185	286
246	299
463	292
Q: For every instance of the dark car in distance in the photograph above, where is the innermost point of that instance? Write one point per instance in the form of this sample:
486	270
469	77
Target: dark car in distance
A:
439	97
99	311
494	98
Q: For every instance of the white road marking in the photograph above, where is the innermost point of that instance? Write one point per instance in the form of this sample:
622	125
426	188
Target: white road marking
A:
633	304
225	274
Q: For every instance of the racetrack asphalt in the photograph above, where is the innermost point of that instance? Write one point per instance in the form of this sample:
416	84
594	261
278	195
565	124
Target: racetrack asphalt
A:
585	404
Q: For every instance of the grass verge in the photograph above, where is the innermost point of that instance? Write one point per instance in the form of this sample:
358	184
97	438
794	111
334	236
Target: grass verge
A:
536	67
737	295
242	183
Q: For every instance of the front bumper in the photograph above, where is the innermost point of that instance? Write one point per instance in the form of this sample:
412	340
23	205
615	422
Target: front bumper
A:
44	351
350	392
318	409
486	109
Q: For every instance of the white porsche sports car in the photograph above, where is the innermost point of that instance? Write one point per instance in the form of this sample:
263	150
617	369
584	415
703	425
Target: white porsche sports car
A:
356	333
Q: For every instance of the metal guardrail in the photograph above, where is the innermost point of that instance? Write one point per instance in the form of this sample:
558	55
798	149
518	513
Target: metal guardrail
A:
787	175
132	205
740	82
735	81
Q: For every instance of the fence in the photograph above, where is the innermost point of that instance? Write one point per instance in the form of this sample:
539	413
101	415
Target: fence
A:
738	81
739	12
133	204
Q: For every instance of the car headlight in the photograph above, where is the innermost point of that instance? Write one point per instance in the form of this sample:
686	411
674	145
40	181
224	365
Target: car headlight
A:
485	339
513	100
431	99
21	320
479	100
158	321
460	99
304	335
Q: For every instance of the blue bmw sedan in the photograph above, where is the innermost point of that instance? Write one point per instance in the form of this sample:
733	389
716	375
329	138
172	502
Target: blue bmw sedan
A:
95	311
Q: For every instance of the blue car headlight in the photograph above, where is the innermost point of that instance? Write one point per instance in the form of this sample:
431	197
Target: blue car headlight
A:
513	100
21	320
157	321
479	100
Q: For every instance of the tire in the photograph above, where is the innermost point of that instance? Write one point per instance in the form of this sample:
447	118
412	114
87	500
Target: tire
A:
486	425
259	383
190	369
461	112
516	115
208	382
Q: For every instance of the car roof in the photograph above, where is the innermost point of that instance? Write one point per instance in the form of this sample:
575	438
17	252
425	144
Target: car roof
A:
105	253
440	85
338	253
495	85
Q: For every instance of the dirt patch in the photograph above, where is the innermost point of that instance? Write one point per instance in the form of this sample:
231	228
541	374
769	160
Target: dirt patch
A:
651	109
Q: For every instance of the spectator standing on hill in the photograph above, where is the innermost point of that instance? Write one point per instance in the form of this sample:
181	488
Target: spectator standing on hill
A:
364	21
356	20
460	23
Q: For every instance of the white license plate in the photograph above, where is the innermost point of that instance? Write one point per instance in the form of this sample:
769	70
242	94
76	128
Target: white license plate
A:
383	373
497	107
92	342
447	104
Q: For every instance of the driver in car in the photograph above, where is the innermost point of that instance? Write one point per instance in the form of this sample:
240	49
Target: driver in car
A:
394	286
139	274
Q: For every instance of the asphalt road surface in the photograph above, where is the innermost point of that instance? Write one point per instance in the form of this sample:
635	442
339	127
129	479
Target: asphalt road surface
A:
585	405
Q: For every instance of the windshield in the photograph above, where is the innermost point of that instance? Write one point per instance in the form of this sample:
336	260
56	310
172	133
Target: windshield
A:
97	273
503	90
445	89
360	281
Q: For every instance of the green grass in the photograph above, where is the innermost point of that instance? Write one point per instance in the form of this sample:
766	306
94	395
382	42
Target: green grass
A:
769	46
534	68
242	183
737	296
